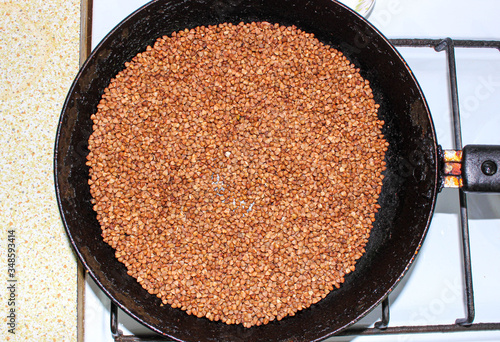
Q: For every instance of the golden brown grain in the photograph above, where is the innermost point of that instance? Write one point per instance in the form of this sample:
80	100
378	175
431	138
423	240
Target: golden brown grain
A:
235	169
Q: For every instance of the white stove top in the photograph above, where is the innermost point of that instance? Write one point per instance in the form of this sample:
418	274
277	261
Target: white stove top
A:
432	292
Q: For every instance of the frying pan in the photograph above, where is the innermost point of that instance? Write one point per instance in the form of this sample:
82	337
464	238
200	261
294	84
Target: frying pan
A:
411	184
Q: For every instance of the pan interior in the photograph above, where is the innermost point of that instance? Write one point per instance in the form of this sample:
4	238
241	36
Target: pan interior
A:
408	193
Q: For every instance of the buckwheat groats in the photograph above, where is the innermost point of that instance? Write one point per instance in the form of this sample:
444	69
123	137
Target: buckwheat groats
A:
235	169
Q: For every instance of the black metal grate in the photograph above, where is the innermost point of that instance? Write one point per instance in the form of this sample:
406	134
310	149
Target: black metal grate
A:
382	327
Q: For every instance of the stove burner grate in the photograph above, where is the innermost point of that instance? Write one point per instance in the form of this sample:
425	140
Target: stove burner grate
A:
382	327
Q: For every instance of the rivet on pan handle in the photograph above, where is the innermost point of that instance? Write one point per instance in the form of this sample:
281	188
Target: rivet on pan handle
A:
474	169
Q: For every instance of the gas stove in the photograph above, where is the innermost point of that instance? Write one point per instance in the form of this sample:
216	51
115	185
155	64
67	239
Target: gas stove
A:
433	295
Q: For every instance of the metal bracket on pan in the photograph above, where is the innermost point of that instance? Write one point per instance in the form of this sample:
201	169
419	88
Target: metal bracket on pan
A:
452	169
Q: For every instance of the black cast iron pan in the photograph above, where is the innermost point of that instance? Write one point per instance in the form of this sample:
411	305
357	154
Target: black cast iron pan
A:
412	179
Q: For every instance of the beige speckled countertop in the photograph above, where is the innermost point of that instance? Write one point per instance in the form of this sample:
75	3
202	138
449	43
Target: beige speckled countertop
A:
39	52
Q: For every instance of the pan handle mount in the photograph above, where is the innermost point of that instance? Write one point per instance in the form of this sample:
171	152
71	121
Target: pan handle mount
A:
476	168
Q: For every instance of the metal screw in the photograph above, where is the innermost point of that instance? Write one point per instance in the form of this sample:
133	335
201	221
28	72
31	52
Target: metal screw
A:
489	168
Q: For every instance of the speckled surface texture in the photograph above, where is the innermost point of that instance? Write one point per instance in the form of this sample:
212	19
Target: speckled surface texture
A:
38	61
